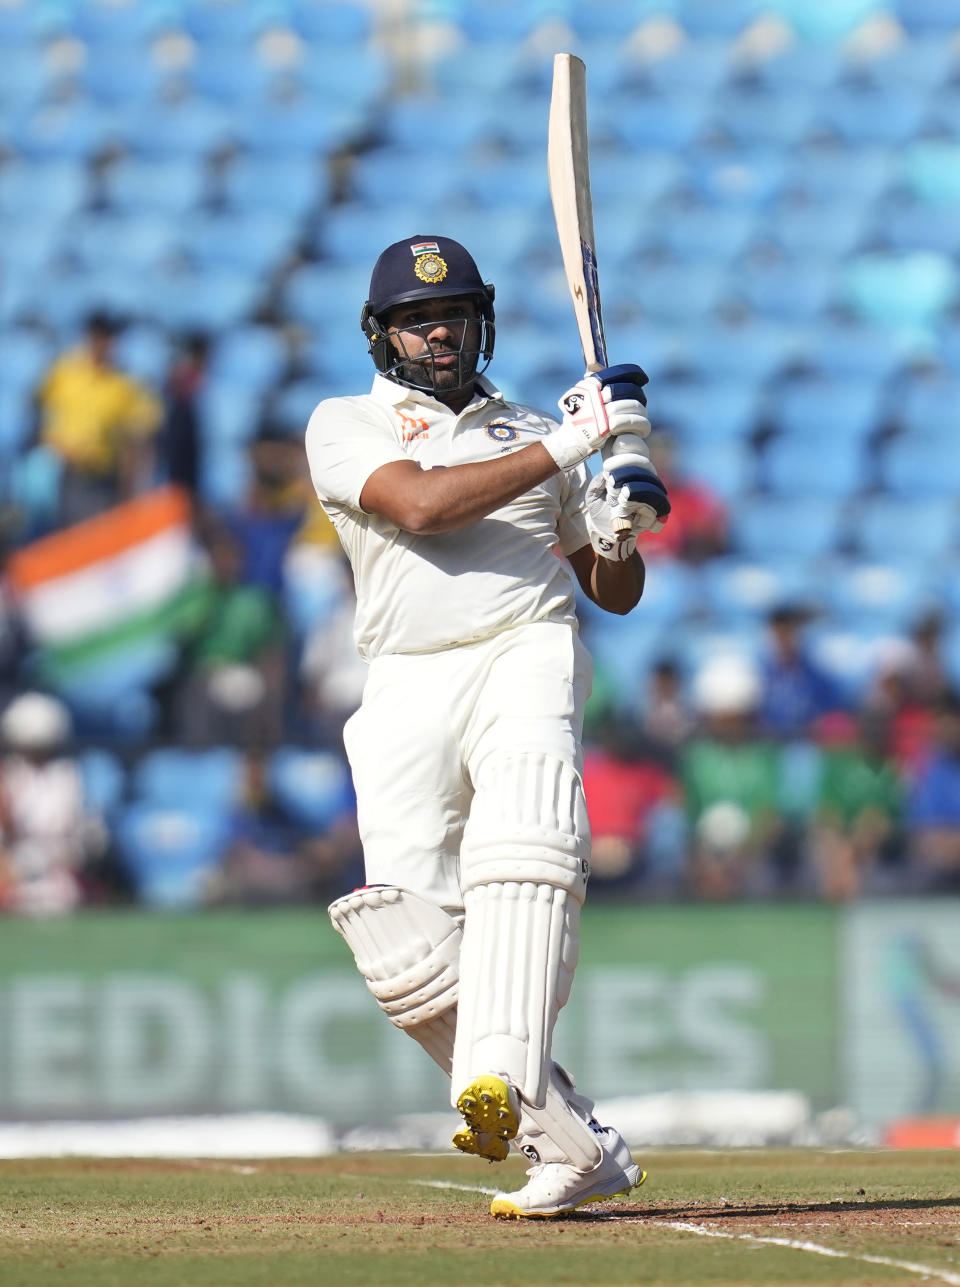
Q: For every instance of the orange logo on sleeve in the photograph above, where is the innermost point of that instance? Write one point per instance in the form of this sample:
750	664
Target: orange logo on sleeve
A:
413	427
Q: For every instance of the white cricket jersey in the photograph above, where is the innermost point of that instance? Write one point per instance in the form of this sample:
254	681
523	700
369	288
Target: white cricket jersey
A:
421	593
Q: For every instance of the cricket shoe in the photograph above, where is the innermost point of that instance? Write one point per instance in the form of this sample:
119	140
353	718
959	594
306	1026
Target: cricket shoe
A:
491	1115
554	1188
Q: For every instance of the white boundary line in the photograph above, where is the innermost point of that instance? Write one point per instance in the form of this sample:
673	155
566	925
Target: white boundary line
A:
912	1267
683	1226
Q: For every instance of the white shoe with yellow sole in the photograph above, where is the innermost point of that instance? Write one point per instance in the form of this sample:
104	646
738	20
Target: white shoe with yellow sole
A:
554	1188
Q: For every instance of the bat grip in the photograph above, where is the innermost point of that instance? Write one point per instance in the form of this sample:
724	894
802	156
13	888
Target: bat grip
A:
621	524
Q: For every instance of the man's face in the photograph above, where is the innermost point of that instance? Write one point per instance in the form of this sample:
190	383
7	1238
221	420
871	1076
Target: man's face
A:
440	337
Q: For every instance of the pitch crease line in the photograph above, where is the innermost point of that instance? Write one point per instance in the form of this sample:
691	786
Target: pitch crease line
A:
464	1188
910	1266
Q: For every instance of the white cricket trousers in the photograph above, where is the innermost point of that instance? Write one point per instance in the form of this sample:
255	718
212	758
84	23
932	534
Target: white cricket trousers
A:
429	721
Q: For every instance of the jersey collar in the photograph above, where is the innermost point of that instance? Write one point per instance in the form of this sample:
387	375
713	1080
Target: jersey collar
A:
396	395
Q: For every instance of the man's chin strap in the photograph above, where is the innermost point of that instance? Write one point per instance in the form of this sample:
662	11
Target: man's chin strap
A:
407	950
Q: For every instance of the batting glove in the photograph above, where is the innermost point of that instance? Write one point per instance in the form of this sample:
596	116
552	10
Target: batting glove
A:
599	407
634	489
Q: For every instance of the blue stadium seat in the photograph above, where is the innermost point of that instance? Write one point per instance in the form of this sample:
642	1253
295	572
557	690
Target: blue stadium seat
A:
24	357
129	242
906	225
45	190
223	22
818	230
927	404
121	74
171	853
104	780
491	68
915	467
652	121
379	177
921	64
614	177
249	357
144	350
893	527
224	473
411	125
330	295
820	409
825	23
289	185
202	301
930	169
742	349
702	66
757	117
947	345
292	406
900	290
751	178
834	171
312	786
700	18
503	19
734	588
314	587
252	242
170	186
98	22
928	17
332	22
835	467
848	653
809	526
883	595
703	230
615	19
184	127
354	235
16	423
231	74
798	66
681	292
845	349
707	410
229	412
25	76
791	291
863	116
191	779
727	467
359	82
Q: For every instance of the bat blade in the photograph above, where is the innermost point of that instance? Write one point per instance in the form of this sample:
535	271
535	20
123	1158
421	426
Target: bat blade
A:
568	167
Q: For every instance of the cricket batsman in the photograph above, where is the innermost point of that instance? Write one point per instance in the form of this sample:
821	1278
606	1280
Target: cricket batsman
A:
452	505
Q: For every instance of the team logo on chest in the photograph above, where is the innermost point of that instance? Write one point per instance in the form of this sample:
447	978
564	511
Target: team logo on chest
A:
502	432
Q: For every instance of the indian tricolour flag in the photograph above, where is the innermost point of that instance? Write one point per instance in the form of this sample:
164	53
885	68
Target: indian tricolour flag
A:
100	601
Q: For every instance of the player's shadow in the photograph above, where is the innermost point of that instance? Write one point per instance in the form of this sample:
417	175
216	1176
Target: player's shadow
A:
702	1214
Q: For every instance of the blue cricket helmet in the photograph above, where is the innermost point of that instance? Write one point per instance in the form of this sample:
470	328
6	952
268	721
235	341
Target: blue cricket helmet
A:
423	267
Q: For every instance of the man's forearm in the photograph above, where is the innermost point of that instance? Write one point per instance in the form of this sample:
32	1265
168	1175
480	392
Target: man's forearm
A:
617	587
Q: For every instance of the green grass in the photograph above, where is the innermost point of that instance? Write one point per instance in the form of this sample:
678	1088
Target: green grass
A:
377	1220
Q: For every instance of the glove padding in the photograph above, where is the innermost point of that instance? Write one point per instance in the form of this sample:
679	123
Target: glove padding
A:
607	499
633	485
599	407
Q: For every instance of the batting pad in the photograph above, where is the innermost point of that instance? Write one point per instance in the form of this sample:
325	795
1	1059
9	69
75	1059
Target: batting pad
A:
407	950
523	871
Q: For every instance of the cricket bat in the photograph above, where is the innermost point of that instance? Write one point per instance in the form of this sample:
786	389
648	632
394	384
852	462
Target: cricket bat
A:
568	166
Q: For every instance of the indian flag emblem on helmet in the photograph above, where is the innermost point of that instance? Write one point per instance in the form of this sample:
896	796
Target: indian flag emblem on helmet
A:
501	432
430	267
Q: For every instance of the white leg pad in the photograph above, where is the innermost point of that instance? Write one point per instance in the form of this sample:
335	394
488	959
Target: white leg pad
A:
523	873
407	950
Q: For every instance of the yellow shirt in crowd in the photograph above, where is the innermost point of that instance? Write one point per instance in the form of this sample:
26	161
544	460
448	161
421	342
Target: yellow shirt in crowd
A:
90	410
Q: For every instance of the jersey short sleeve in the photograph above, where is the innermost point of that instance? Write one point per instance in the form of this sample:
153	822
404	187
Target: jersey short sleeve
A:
572	531
346	442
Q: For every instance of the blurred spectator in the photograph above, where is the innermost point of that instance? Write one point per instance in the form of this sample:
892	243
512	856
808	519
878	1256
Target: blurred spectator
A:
99	423
795	691
47	835
272	861
731	785
332	672
857	839
621	787
278	499
928	676
664	717
180	442
697	527
230	684
892	693
934	803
